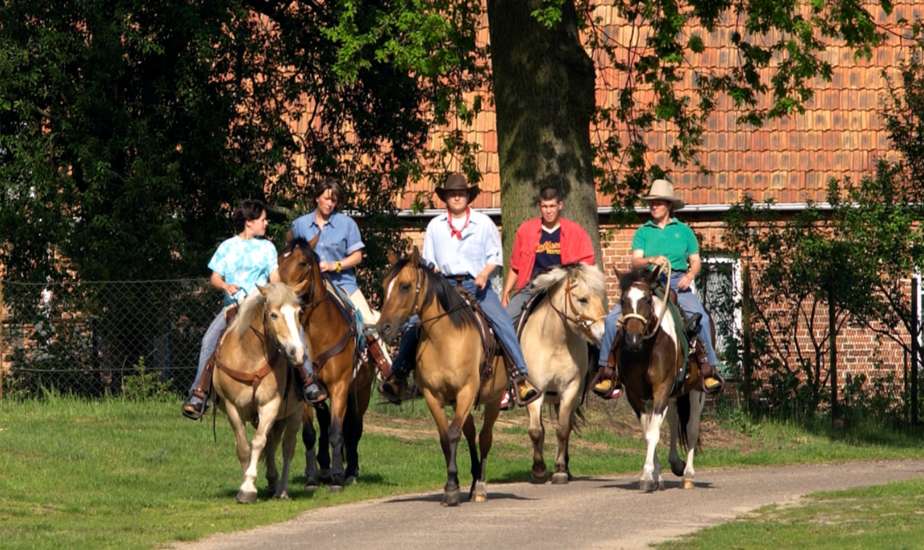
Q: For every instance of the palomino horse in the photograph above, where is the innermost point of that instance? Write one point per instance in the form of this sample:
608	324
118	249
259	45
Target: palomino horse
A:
253	381
331	337
554	338
650	363
449	361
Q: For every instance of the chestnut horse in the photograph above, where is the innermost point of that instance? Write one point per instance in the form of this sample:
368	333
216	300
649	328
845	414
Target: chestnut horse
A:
554	338
331	339
650	364
253	381
448	366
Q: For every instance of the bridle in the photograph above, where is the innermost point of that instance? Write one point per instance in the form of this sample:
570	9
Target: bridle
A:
654	329
584	322
418	305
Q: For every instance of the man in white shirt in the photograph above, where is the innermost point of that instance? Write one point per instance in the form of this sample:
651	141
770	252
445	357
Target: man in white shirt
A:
465	246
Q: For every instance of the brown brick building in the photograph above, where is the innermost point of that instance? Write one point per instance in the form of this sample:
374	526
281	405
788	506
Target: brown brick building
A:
787	161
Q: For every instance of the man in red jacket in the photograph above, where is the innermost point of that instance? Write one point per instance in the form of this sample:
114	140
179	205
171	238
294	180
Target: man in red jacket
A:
541	243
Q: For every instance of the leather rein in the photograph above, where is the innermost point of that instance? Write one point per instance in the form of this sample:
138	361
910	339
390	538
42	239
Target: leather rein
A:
583	321
252	378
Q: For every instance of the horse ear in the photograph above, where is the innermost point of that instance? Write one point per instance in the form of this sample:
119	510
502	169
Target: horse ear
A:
392	257
263	290
415	255
314	241
617	273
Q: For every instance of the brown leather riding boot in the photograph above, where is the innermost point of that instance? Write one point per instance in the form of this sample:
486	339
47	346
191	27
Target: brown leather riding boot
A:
606	383
712	380
525	390
197	402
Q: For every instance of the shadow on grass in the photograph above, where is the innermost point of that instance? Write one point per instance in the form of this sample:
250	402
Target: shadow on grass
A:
859	431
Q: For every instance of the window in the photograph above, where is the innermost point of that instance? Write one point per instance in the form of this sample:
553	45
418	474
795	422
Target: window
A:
719	288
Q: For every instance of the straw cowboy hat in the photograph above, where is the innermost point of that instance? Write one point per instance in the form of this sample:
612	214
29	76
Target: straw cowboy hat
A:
457	182
663	190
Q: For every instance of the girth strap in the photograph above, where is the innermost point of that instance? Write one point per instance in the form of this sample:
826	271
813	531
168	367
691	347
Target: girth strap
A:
252	378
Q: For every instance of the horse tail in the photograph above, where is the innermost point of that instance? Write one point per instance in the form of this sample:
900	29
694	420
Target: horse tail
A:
683	412
578	420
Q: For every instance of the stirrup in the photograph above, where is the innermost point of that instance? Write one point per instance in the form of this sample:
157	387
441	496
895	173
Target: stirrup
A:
524	391
391	389
712	384
313	392
195	406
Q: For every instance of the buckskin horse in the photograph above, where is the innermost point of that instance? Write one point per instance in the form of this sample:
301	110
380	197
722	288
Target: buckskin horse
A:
253	381
331	339
449	364
651	366
554	337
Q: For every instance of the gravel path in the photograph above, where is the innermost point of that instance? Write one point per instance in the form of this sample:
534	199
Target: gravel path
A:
605	512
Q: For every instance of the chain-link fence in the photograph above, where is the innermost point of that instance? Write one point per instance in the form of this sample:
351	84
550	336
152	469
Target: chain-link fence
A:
99	338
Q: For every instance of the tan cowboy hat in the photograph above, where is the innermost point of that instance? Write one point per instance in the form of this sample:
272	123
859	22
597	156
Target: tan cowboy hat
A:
663	190
457	182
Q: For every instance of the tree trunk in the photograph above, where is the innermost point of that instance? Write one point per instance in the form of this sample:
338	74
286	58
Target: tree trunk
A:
544	96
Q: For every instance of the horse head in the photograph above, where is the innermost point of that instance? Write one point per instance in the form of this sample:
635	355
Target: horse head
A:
577	293
640	318
299	267
405	287
281	307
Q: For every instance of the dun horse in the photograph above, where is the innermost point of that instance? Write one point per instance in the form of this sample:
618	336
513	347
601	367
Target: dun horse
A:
331	336
253	381
650	365
554	338
449	361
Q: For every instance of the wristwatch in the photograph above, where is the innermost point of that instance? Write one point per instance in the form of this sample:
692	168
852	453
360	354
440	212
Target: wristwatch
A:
338	266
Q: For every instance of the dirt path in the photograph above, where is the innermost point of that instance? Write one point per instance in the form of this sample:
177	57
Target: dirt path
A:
588	513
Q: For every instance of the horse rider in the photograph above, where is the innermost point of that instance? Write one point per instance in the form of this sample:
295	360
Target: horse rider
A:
465	246
340	250
542	243
238	265
663	241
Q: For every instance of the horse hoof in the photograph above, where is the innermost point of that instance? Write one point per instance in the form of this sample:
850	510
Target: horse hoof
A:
688	483
350	480
335	488
647	486
480	497
538	477
451	498
559	478
312	484
246	498
282	496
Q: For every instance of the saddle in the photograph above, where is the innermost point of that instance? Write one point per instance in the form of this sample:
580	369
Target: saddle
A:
528	309
491	347
353	319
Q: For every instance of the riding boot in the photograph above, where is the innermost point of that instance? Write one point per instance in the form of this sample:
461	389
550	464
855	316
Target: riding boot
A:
712	380
312	389
607	383
393	388
378	354
526	392
197	402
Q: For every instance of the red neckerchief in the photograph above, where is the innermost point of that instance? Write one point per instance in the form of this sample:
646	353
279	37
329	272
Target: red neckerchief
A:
453	232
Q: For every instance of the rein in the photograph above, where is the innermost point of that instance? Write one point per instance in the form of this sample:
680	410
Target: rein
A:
344	340
581	320
252	378
418	286
654	330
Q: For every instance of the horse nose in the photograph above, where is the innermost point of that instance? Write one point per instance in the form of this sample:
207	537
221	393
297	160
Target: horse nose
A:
633	341
296	354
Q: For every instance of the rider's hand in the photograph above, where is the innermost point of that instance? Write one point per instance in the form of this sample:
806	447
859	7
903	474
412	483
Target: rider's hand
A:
326	266
481	281
685	282
505	299
661	261
232	289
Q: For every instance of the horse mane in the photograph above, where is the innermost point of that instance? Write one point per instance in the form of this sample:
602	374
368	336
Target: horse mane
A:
588	275
250	308
629	278
302	244
438	287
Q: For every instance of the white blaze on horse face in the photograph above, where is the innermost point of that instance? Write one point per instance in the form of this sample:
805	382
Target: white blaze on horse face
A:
295	347
391	286
635	295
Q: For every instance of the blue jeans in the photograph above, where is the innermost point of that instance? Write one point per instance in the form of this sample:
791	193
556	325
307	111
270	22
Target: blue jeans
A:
518	302
688	302
209	343
404	360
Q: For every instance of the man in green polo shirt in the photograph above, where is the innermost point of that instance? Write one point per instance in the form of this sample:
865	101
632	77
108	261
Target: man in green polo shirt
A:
663	241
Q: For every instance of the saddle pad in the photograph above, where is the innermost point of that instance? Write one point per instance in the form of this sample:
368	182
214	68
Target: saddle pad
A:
489	343
341	297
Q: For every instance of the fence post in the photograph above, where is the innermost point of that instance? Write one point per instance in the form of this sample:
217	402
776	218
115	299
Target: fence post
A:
915	347
746	359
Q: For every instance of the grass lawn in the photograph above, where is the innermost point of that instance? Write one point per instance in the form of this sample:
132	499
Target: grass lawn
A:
887	516
77	473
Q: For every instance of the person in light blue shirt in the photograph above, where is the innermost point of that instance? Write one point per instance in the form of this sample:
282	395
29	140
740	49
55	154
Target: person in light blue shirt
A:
465	246
340	250
238	266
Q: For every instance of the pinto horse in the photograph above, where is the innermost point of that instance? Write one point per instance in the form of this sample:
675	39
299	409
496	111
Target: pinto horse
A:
253	381
554	337
449	364
331	341
650	364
